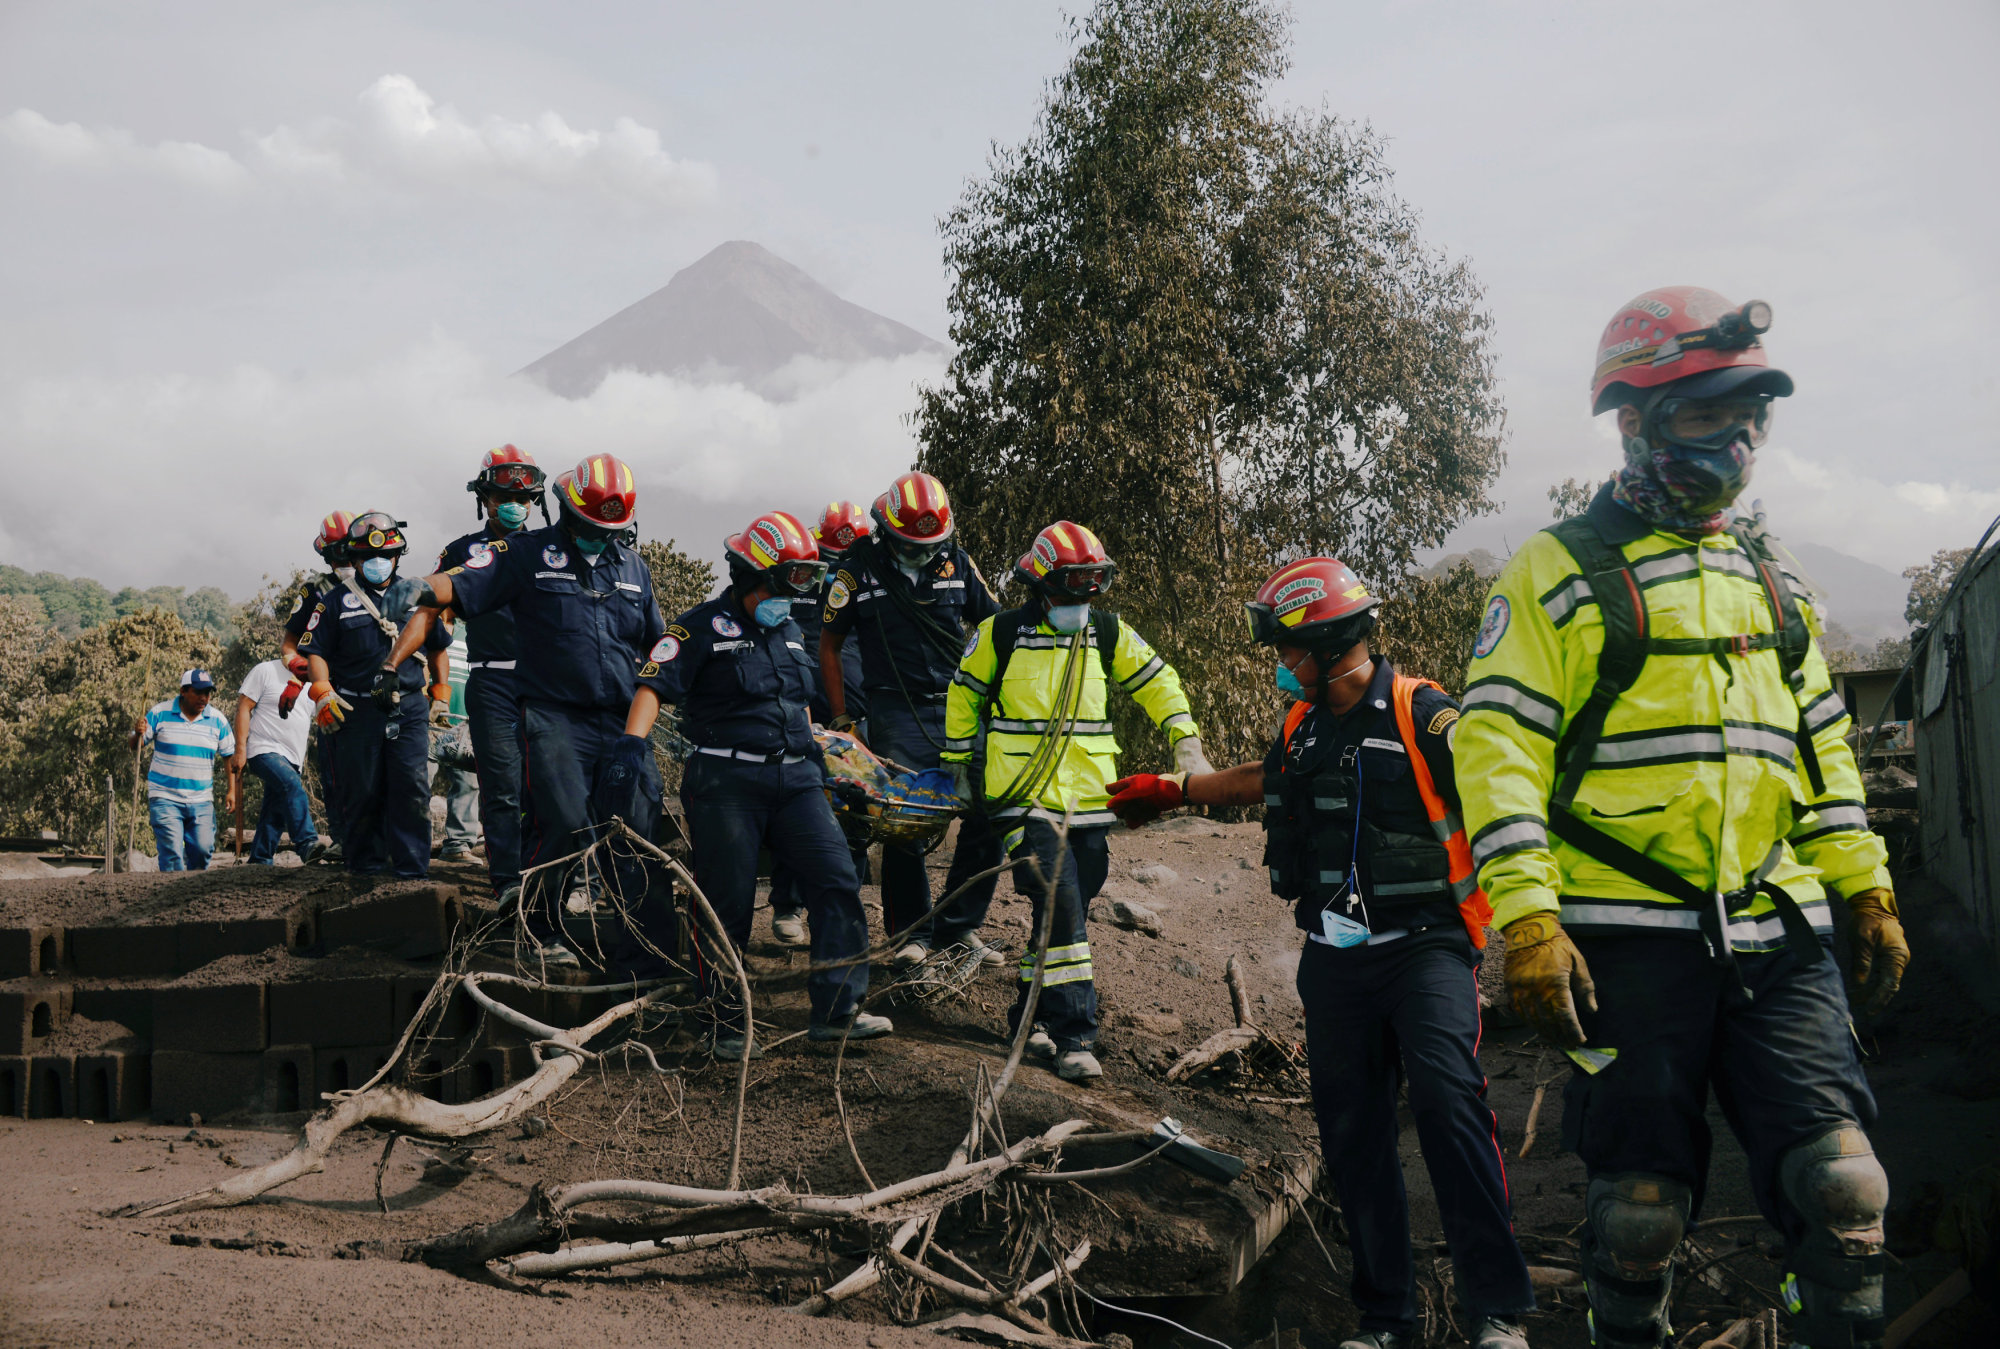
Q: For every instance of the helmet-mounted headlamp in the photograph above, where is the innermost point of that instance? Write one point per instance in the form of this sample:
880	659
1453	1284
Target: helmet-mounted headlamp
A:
376	534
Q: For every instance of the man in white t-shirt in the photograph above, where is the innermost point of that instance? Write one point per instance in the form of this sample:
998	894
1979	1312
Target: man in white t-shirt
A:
271	732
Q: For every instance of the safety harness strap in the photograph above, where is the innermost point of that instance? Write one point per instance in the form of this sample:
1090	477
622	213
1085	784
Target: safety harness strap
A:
1623	607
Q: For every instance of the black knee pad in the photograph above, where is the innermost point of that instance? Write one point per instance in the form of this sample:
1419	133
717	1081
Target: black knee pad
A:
1636	1221
1834	1285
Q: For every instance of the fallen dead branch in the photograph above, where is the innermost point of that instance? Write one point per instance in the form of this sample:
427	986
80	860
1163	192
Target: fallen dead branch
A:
1245	1055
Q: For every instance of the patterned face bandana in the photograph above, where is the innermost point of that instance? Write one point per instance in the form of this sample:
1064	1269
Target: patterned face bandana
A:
1680	488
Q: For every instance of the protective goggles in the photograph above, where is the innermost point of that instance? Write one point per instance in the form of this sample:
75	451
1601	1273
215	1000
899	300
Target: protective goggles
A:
1265	629
916	554
1081	582
376	532
1712	423
797	578
524	478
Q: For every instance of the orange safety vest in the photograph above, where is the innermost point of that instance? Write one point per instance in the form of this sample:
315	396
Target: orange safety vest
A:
1473	906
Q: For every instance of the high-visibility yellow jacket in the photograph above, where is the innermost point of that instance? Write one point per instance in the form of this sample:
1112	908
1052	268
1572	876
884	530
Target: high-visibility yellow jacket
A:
1024	706
1697	766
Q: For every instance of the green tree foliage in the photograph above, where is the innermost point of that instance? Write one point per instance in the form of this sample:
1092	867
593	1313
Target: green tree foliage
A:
71	606
68	710
679	581
1429	625
1928	583
1207	330
1571	497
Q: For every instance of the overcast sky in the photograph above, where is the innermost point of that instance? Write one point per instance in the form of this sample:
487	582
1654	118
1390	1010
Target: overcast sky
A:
261	260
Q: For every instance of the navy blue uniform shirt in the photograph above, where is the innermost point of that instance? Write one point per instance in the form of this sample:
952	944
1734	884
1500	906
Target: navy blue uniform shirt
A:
896	657
347	637
739	686
302	607
490	636
580	630
809	612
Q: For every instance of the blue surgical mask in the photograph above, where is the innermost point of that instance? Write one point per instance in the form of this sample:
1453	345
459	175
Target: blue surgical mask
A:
511	514
591	547
376	570
1289	682
1069	617
770	613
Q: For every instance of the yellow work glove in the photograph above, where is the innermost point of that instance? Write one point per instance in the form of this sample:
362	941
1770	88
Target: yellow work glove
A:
440	694
1546	978
1878	935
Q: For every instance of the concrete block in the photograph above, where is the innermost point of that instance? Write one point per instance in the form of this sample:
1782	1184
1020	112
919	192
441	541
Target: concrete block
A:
332	1011
30	950
411	924
344	1069
114	1086
196	944
123	952
288	1079
219	1019
52	1086
31	1010
491	1068
438	1069
209	1085
13	1085
458	1018
130	1005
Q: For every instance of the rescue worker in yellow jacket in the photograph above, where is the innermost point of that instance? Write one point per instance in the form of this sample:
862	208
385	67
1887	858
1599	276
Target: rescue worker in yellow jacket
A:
1661	807
1034	685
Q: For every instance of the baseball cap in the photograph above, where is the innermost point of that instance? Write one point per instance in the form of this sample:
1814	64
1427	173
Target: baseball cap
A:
196	679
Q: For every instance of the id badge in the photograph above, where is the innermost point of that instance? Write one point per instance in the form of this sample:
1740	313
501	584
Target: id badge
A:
1341	930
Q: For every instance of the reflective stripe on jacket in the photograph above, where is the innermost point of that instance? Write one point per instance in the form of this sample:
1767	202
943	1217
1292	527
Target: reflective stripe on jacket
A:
1697	767
1024	707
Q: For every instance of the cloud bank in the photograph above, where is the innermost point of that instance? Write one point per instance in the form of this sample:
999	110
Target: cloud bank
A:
403	138
196	481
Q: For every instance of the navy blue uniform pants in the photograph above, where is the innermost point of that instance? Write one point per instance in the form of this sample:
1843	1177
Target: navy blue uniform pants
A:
382	777
493	710
1410	1009
564	746
1784	1066
1068	1006
329	789
734	809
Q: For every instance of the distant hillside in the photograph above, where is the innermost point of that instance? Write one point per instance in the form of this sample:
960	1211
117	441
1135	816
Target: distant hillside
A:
71	606
1863	598
739	314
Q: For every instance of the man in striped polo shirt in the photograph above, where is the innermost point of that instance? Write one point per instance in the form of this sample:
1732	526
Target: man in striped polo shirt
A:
187	737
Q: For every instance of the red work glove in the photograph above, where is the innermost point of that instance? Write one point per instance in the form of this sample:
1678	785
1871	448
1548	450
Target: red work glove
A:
286	700
330	709
1144	797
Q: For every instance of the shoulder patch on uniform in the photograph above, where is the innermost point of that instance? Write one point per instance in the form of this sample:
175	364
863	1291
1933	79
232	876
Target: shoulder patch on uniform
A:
298	603
313	622
666	649
676	630
456	571
479	555
839	593
971	645
1445	717
1493	627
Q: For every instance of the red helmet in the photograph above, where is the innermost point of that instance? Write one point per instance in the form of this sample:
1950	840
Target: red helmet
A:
776	547
1067	561
331	541
508	471
916	510
1317	603
840	525
1679	332
598	494
375	534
